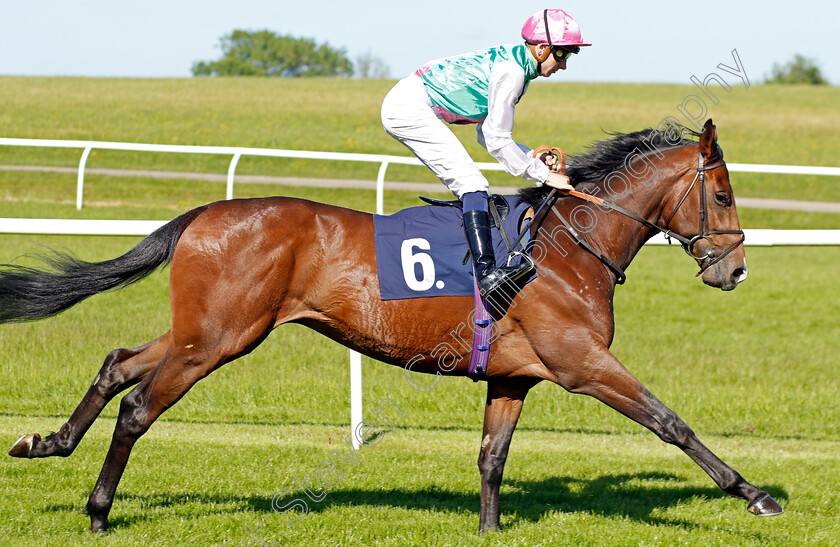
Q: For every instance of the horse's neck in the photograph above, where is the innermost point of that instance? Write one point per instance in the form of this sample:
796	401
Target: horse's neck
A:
618	237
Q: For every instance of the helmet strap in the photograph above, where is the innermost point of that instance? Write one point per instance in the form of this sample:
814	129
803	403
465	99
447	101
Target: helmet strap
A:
539	58
547	33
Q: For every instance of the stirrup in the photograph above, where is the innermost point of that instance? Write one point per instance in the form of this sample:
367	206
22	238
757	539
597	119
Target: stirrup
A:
502	276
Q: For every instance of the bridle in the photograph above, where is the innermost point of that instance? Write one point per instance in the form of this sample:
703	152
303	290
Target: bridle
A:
687	243
705	232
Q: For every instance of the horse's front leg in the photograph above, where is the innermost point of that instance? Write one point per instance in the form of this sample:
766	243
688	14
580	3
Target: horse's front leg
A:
602	376
504	404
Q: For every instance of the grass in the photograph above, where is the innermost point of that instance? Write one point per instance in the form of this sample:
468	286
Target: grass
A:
419	487
754	372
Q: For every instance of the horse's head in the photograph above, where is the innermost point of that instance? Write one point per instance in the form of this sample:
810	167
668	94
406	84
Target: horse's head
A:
701	212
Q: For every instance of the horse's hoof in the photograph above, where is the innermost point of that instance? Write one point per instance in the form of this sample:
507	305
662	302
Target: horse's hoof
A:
765	506
98	525
98	517
23	446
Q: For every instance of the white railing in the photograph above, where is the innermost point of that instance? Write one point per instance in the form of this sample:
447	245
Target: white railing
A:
383	160
53	226
235	152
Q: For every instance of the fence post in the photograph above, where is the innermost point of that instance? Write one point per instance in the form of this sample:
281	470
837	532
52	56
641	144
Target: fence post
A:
80	182
380	188
356	403
231	171
355	395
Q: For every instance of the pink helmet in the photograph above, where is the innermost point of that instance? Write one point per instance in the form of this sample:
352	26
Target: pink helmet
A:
554	27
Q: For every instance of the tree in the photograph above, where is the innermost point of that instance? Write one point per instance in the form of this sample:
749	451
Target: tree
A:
265	53
800	70
368	66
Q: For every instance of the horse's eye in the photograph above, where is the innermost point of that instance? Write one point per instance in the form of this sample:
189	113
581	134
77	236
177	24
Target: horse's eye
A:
723	199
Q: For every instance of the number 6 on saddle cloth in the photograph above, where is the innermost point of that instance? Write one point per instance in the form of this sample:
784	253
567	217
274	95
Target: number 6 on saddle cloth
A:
420	250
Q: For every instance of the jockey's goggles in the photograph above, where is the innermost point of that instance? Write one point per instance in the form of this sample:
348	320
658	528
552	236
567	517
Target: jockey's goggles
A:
562	53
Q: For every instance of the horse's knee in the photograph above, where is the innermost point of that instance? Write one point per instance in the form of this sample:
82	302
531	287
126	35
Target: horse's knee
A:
673	430
124	367
111	376
133	420
491	465
117	355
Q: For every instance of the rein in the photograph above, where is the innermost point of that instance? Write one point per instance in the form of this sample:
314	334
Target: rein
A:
687	243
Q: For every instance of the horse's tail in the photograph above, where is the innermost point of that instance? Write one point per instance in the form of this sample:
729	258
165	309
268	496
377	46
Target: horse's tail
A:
29	294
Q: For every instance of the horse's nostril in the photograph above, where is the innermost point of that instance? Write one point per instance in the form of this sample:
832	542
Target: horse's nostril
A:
739	274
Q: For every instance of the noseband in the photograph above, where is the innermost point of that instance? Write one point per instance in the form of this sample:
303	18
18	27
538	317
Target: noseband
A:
687	243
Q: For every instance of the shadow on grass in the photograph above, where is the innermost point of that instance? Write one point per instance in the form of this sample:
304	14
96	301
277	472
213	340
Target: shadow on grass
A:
640	497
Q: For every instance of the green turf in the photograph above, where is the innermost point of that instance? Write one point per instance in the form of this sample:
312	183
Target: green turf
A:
199	484
752	371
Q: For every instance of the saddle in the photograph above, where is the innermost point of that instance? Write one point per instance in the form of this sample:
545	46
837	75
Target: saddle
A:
499	209
494	200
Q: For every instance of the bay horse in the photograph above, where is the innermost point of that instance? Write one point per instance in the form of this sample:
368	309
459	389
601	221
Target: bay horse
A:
240	268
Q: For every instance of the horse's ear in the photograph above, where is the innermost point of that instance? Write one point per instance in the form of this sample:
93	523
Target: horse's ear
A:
708	139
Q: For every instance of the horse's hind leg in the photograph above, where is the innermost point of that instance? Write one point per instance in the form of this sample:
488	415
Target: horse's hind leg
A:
180	369
501	412
200	343
122	369
606	379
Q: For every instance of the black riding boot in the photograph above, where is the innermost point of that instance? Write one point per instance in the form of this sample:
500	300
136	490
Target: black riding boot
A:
477	228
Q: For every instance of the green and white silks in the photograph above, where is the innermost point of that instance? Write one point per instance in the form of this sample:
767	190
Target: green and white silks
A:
459	86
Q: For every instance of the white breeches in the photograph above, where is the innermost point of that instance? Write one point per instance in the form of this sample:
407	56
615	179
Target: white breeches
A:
408	116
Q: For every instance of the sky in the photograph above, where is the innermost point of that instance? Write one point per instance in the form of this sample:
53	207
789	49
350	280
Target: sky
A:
651	41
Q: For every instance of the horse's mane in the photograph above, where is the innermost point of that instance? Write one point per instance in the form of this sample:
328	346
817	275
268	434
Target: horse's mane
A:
608	156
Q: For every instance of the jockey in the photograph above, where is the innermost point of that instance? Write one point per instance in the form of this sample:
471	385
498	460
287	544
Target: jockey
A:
482	87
